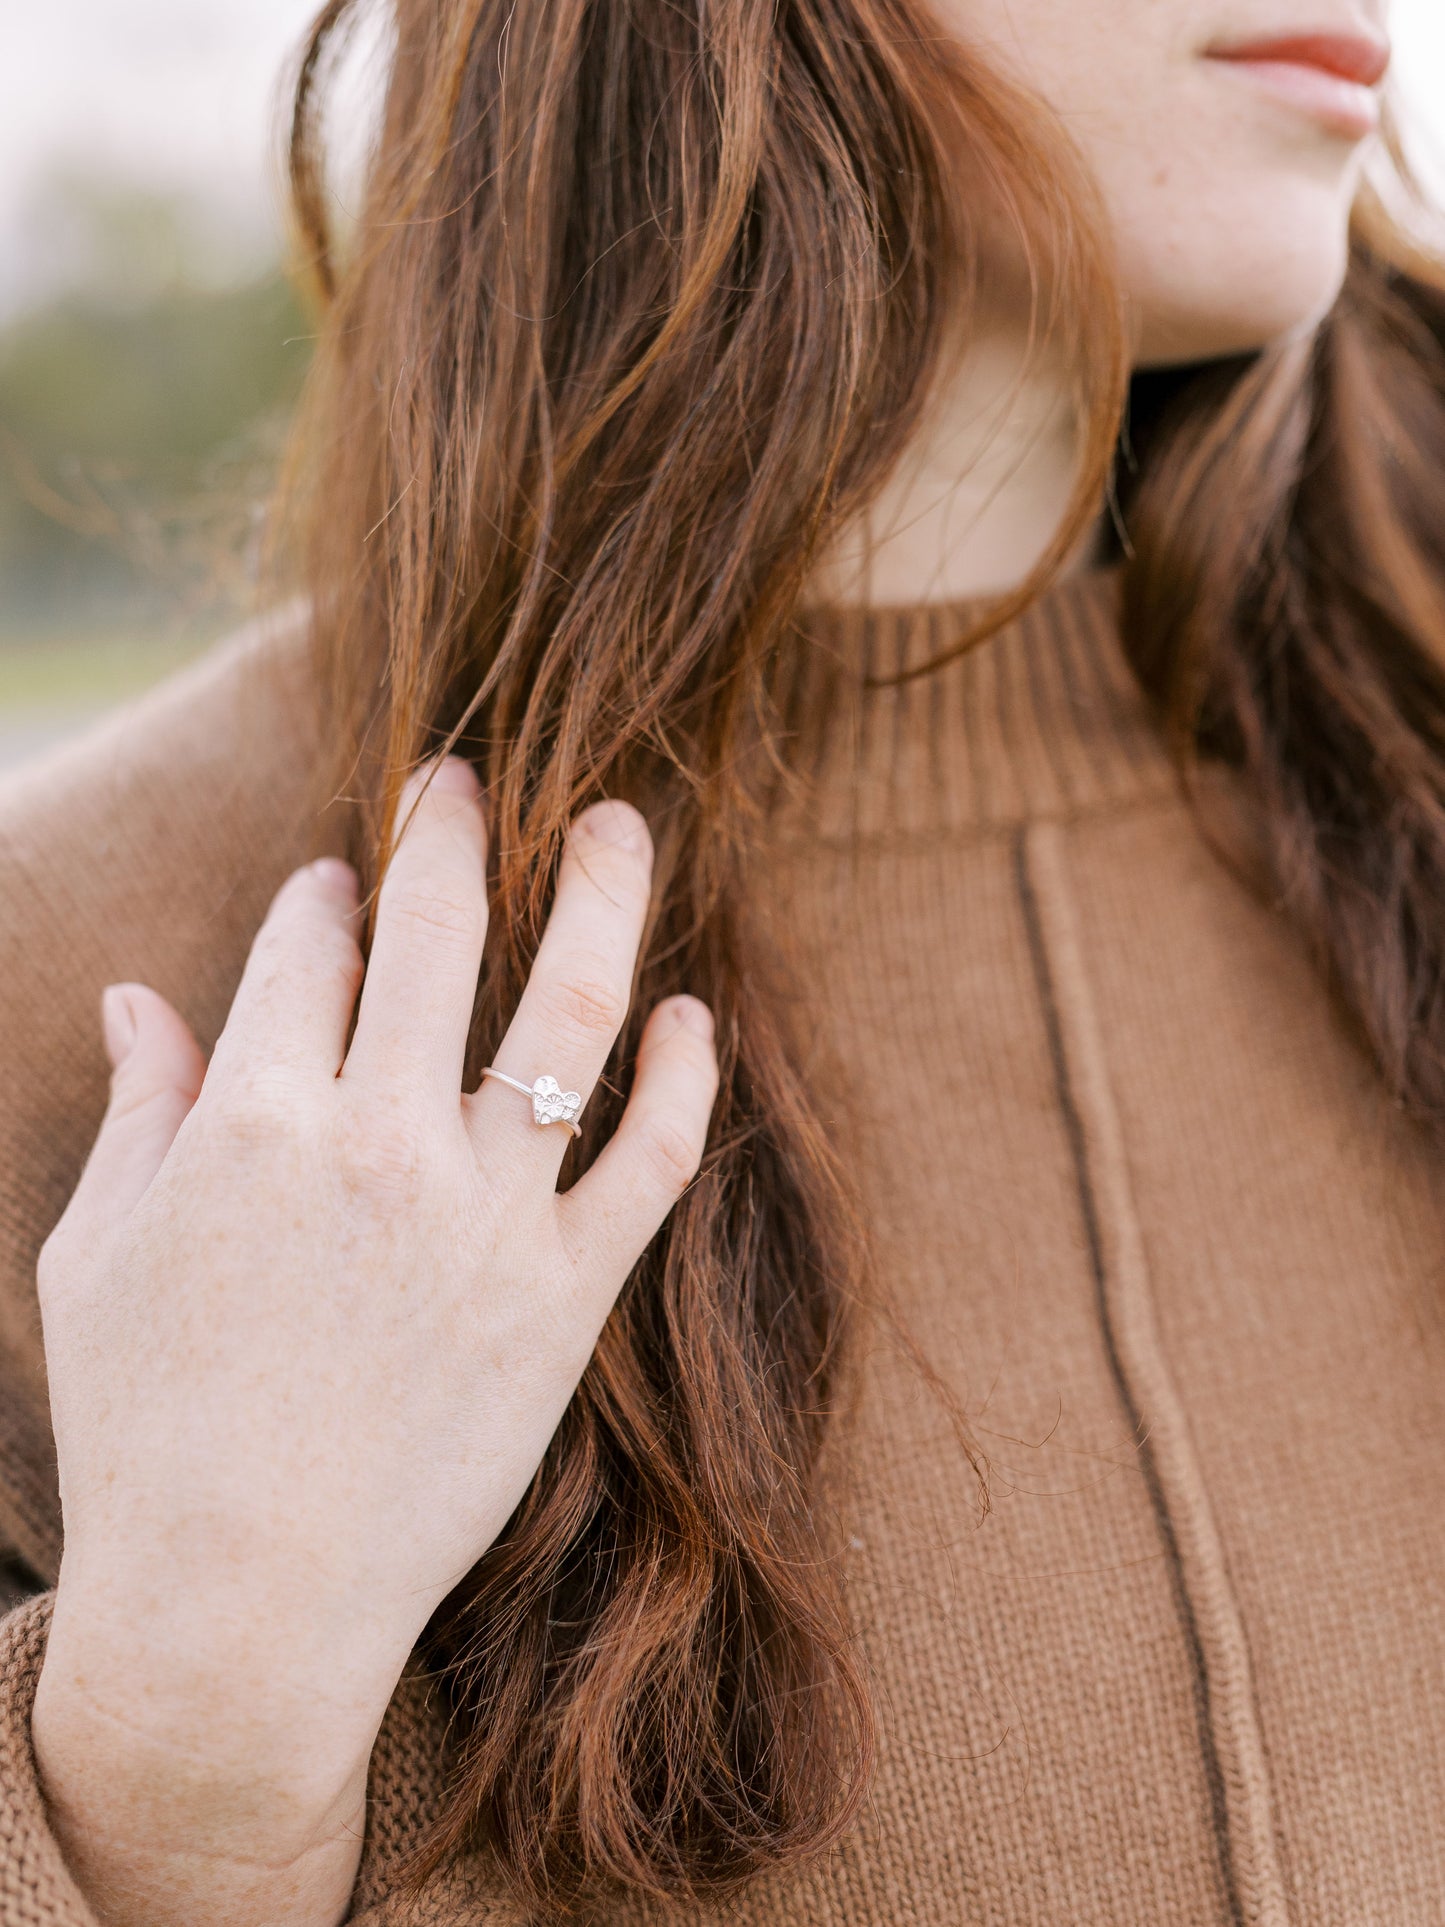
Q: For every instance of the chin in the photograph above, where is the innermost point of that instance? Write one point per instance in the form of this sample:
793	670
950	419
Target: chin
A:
1260	282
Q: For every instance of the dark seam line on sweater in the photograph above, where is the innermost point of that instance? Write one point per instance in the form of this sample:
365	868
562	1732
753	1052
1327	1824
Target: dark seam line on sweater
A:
1074	1128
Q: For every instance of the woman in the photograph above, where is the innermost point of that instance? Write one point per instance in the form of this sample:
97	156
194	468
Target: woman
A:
958	1438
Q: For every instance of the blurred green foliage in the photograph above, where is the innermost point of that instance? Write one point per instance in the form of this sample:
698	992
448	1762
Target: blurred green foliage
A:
142	410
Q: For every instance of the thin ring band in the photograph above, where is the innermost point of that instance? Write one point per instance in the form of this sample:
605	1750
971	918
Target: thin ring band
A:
550	1103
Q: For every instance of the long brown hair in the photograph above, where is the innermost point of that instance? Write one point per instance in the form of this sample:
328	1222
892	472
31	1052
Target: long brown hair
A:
641	305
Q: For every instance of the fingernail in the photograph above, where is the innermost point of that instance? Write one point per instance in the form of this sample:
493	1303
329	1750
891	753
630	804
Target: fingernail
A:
455	774
695	1016
334	874
117	1022
615	823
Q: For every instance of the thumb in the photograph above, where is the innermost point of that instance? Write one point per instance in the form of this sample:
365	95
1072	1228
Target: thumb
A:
156	1072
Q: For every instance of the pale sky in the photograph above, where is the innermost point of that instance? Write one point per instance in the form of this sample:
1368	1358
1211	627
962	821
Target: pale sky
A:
184	92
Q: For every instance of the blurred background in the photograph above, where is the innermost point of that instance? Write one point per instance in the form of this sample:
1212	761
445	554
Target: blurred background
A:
150	348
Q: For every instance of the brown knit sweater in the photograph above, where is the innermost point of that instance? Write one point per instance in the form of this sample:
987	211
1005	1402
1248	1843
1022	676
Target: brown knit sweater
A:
1135	1189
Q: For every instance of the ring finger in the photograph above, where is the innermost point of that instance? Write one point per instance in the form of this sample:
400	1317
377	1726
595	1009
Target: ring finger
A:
577	995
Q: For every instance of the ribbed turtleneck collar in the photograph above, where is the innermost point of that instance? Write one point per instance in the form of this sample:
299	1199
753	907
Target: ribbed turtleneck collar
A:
1044	718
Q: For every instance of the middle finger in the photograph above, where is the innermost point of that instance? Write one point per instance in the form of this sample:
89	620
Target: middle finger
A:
431	920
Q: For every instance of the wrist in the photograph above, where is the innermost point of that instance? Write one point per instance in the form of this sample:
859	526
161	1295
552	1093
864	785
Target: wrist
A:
231	1688
177	1798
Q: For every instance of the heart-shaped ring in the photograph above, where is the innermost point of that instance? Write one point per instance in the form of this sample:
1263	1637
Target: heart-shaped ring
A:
550	1103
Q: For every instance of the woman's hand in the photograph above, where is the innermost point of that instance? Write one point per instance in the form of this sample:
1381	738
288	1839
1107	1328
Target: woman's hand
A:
309	1325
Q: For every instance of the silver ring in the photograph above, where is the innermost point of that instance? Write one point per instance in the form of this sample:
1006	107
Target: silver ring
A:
550	1103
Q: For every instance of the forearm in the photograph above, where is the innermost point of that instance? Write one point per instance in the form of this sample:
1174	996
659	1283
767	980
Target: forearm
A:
190	1796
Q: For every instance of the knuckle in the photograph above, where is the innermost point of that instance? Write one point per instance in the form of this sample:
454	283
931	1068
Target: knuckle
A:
670	1153
586	1005
257	1105
436	909
304	944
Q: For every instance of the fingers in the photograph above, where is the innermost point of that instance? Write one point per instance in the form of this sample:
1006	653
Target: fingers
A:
431	919
581	983
614	1210
156	1076
294	1002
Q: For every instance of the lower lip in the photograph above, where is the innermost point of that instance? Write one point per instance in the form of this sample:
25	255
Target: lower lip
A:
1340	106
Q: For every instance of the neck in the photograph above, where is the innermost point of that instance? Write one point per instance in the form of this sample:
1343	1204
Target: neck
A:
978	494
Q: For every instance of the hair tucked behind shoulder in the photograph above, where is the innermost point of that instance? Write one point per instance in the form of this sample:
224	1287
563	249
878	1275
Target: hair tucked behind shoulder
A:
642	303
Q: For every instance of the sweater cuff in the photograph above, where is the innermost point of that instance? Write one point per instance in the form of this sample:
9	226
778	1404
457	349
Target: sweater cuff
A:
36	1889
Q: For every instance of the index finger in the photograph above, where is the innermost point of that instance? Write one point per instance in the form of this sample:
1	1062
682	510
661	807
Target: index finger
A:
296	994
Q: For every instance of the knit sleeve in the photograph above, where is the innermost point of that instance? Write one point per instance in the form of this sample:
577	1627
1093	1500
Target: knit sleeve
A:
35	1888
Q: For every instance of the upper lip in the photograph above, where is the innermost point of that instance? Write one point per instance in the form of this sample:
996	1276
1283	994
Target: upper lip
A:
1356	56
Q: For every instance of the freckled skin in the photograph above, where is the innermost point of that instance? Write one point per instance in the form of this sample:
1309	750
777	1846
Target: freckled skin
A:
1230	211
1230	217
